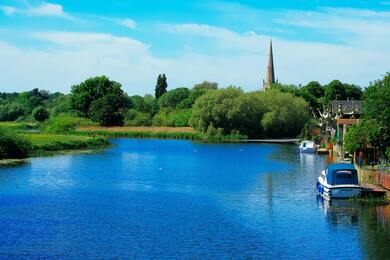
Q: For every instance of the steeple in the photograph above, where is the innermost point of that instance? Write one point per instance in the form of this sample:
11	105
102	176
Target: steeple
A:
270	69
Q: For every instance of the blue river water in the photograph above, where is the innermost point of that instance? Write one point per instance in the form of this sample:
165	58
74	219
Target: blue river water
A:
182	199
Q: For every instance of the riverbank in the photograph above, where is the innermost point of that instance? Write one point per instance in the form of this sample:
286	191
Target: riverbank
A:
185	133
45	144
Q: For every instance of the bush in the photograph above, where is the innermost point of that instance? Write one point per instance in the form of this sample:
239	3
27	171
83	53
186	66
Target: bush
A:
172	117
286	114
173	97
65	123
136	118
107	113
11	112
13	145
40	114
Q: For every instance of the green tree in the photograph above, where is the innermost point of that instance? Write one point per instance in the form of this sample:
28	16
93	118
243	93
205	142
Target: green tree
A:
336	90
13	145
173	97
377	101
216	108
286	114
367	133
206	85
107	113
83	95
161	86
40	114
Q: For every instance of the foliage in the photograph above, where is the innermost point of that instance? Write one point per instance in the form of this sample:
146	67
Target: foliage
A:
172	117
286	114
366	133
336	90
377	101
161	86
13	145
273	113
65	123
56	142
11	112
205	85
173	98
217	108
107	113
134	117
102	91
40	114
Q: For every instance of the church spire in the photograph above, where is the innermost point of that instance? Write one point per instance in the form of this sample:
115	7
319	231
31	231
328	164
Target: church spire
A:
270	69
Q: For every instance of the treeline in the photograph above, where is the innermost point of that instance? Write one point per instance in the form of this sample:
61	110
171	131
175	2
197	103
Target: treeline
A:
374	128
281	112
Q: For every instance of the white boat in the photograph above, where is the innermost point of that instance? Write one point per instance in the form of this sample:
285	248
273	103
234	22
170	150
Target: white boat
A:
339	180
307	147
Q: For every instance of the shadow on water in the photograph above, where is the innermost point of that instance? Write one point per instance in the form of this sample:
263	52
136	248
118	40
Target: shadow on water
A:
372	221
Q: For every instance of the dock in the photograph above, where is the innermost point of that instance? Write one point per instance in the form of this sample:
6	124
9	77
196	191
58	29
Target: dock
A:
292	140
373	190
322	151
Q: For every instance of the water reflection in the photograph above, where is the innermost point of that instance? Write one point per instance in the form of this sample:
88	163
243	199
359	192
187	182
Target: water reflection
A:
372	222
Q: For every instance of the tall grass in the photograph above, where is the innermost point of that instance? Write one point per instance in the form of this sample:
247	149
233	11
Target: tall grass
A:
163	135
52	142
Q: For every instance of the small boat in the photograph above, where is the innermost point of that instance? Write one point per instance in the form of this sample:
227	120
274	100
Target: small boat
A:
307	147
339	180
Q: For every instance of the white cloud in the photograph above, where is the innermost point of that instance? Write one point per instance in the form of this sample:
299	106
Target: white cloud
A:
73	57
44	9
8	10
129	23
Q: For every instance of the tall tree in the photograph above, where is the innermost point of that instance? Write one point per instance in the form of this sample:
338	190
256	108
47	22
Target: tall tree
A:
161	86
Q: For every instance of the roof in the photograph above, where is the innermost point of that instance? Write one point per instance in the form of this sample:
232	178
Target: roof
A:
341	166
346	106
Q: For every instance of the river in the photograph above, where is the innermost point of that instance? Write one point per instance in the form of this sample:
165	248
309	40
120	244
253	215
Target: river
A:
182	199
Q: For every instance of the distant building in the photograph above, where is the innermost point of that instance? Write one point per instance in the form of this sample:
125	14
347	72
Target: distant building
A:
346	113
270	77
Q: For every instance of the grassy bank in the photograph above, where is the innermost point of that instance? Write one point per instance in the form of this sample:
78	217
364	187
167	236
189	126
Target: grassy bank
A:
43	143
186	133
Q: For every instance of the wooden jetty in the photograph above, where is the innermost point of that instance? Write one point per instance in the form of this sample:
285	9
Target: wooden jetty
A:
271	140
372	190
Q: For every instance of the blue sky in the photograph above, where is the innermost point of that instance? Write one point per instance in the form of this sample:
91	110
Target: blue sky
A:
53	45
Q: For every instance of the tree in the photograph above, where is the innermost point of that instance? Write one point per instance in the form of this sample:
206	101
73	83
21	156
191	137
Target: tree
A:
206	85
336	90
286	114
315	89
107	113
366	133
83	95
13	145
161	86
216	108
40	114
313	93
377	101
173	97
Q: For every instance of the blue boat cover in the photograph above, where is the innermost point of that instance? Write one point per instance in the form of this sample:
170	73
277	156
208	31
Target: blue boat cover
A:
341	173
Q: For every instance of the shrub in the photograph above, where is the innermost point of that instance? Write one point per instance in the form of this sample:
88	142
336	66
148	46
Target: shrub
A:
172	117
136	118
173	97
65	123
13	145
40	114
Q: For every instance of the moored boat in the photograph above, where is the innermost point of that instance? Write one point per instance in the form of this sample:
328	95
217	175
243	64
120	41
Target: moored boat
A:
339	180
307	147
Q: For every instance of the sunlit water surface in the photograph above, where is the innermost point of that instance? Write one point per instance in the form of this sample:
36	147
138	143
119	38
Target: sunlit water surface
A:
179	199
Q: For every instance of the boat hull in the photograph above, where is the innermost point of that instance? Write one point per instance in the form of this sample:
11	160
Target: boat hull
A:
338	191
307	150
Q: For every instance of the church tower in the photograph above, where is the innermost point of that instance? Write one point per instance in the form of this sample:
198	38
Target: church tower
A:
270	78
